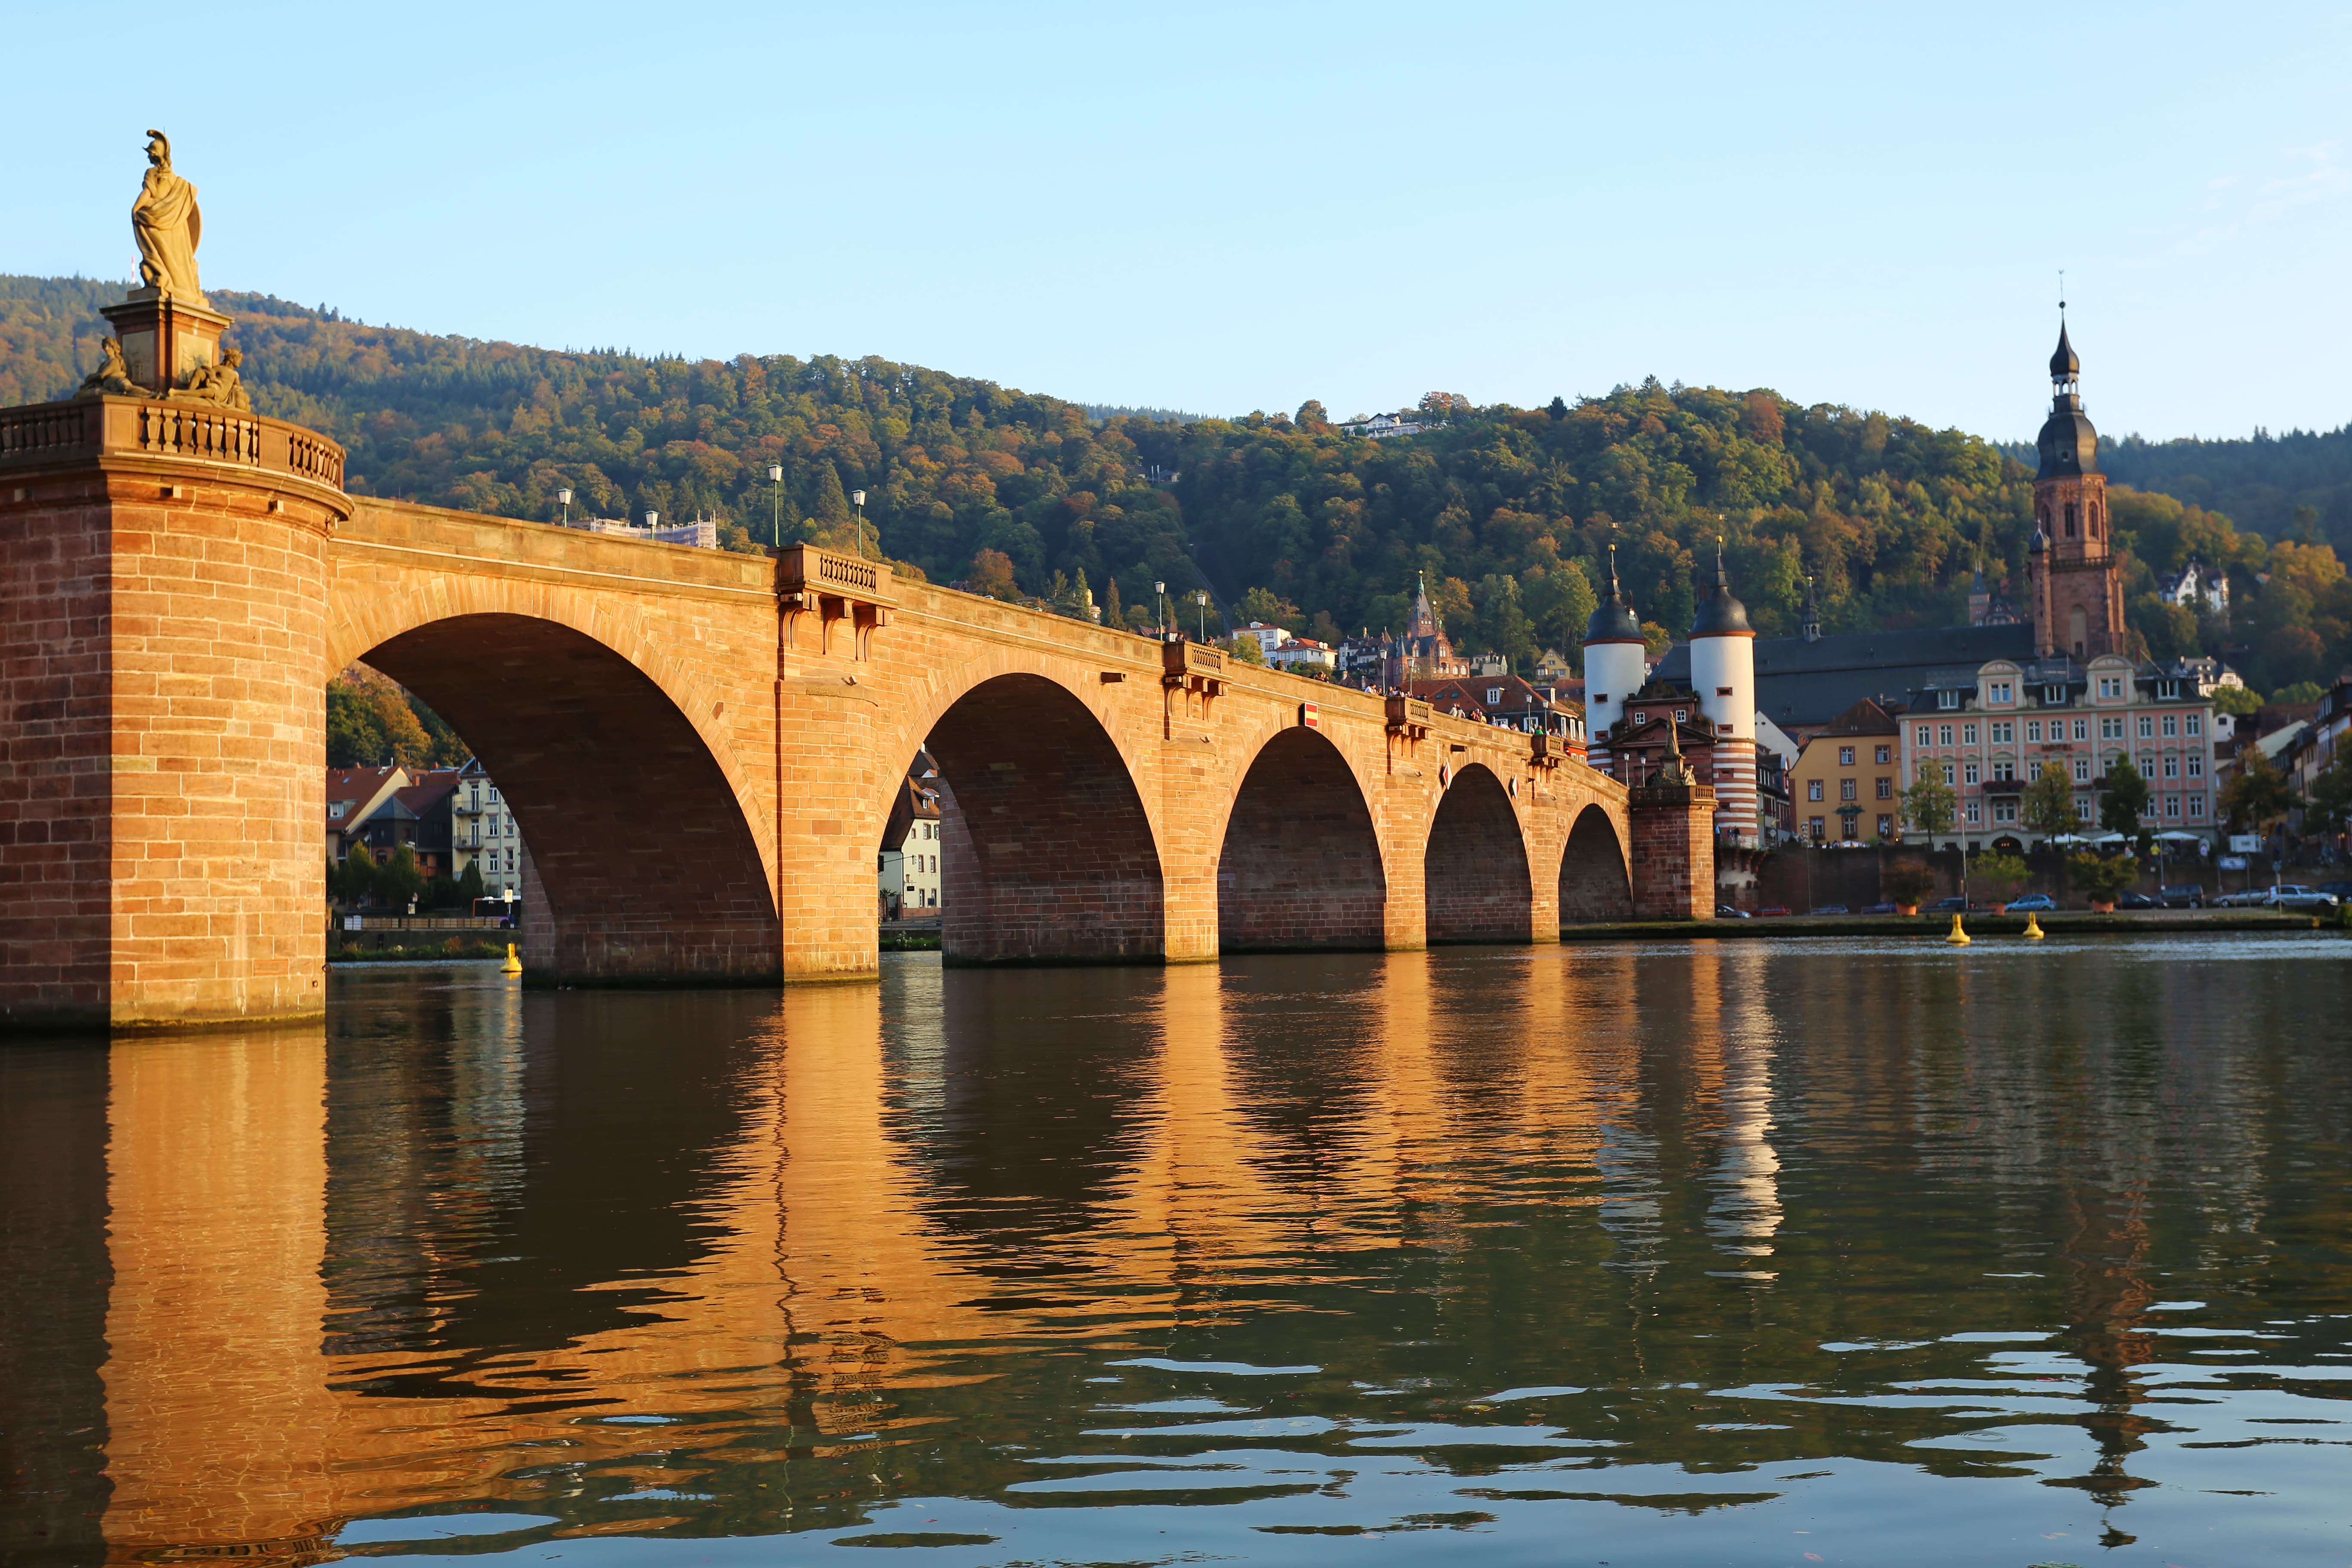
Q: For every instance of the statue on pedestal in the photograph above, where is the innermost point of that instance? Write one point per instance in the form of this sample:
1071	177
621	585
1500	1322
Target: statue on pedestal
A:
168	226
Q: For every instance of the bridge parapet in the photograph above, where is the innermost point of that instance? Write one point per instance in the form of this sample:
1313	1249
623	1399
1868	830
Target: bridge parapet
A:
140	432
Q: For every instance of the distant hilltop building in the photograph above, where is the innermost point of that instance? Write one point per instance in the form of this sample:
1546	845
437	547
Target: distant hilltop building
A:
2197	587
1380	427
702	532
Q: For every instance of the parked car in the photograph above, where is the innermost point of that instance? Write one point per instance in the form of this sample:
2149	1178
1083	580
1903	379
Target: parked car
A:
1773	909
2342	890
2296	896
2135	902
2037	903
2242	899
1833	909
1950	907
1881	907
2189	895
1726	913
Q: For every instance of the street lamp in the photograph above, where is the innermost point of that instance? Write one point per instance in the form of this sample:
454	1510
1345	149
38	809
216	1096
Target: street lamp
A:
652	517
858	498
565	497
776	529
1202	599
1162	590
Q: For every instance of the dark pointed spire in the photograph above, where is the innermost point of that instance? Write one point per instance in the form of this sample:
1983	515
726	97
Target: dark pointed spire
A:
1719	614
1614	619
2065	366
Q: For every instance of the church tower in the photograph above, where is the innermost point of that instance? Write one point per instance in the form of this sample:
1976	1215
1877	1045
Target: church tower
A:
2077	596
1723	677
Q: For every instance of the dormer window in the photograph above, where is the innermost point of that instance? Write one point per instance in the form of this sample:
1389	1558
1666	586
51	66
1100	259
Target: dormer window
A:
1641	718
336	808
1494	695
1682	715
1948	699
2054	696
2000	691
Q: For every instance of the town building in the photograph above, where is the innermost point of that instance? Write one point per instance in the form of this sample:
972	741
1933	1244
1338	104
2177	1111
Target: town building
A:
908	868
1848	782
1987	608
1508	703
2313	748
2196	587
1993	728
415	817
353	794
702	532
1382	426
1305	656
1267	637
483	833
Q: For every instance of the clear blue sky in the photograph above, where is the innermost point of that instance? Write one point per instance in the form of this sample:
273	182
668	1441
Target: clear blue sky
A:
1221	209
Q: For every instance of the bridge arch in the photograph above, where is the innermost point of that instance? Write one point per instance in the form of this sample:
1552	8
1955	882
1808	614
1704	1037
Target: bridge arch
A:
1300	863
1475	866
650	868
1594	884
1050	854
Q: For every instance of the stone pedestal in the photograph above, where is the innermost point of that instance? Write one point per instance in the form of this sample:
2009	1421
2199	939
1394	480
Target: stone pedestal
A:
162	848
1673	851
165	339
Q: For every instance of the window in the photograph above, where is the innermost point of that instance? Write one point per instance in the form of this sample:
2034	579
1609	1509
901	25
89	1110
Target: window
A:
2171	766
1949	777
2053	697
2172	806
2111	729
2005	733
1846	790
2171	725
1976	813
1972	773
2146	765
494	794
2195	808
335	809
2195	723
1814	826
1884	755
2004	773
2168	689
1813	789
1968	734
1885	825
2082	728
1922	736
2000	691
2196	767
2082	770
2111	686
1494	695
2033	730
1885	788
1639	717
2004	811
2147	727
2082	810
1846	756
1943	734
1948	699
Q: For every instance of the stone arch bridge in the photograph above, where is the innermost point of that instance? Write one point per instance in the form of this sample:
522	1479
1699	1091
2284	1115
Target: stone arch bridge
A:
701	750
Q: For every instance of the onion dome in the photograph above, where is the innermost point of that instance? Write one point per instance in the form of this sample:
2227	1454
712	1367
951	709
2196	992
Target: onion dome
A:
1614	621
2068	446
1720	614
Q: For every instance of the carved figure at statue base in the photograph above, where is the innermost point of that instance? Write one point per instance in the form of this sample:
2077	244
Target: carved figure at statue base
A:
112	377
168	226
218	384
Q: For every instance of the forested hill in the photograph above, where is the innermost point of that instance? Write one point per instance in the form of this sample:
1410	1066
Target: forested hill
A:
1508	511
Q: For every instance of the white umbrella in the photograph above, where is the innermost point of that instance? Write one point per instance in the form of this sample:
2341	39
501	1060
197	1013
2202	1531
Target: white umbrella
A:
2178	837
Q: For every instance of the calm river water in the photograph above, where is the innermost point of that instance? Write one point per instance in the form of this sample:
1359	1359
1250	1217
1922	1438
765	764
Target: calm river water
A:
1736	1253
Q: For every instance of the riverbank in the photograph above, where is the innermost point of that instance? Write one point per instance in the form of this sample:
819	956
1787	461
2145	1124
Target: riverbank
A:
2164	922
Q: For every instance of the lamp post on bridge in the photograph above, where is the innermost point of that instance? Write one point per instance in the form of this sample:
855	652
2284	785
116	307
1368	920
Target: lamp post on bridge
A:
1161	589
565	497
776	527
1201	597
858	499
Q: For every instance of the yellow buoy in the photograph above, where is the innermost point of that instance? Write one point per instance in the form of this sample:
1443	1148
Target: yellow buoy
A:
2032	927
1958	937
513	965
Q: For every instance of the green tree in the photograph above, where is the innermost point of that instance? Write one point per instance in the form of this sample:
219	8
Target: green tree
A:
2125	797
2003	876
2240	701
992	575
2048	808
1245	649
2100	877
1113	615
397	880
1503	624
1929	804
1269	608
2258	797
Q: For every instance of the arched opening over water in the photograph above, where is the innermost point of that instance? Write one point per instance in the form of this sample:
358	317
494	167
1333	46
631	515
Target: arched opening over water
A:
1476	866
1300	866
1593	884
646	866
1049	857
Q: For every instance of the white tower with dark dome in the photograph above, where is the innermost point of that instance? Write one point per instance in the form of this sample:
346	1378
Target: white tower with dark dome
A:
1723	679
1616	663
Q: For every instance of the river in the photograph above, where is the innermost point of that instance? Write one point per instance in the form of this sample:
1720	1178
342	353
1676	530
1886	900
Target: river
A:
1737	1252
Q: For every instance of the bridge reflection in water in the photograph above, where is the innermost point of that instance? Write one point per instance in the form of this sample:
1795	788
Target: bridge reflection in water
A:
739	1263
